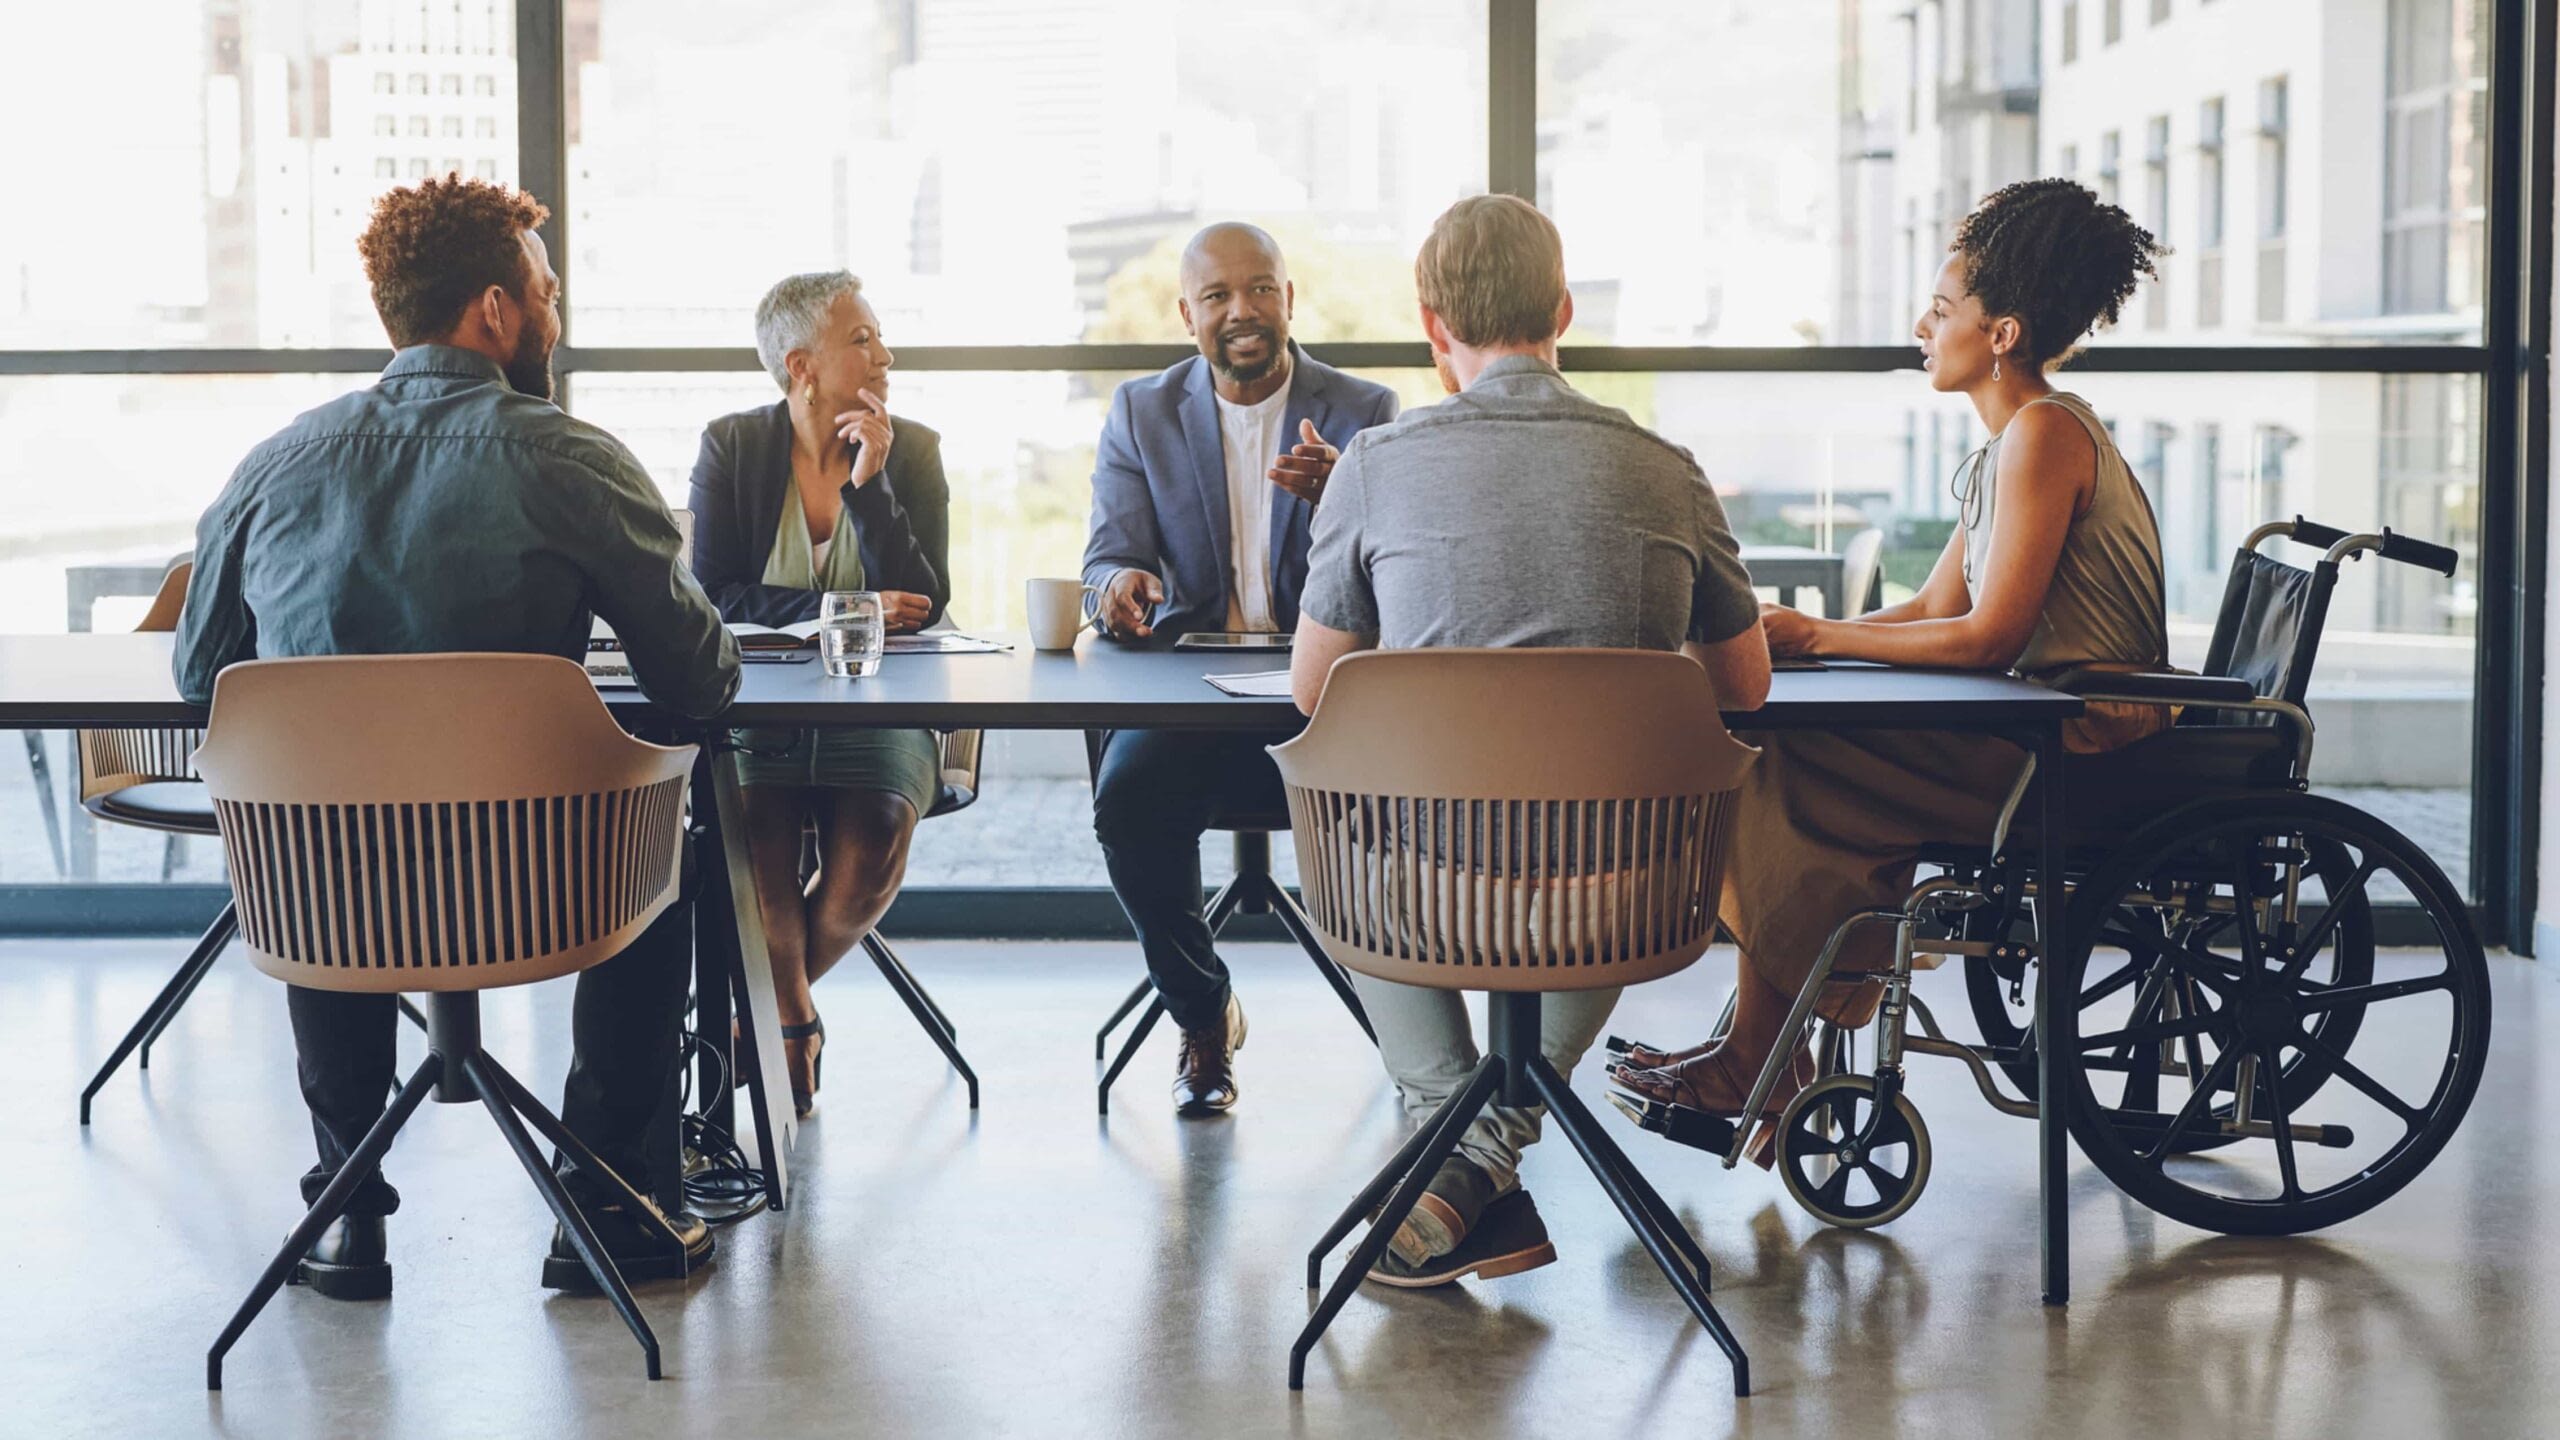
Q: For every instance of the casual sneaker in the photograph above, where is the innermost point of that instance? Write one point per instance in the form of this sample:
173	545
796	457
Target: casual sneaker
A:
1445	1213
1507	1239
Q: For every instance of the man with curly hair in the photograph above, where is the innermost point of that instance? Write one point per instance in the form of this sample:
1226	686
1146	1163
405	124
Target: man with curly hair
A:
453	507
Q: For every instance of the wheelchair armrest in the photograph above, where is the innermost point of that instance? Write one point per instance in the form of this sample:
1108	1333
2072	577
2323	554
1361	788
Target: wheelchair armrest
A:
2151	686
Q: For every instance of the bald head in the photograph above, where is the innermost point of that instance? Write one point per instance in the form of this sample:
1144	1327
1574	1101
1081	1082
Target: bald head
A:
1231	242
1236	301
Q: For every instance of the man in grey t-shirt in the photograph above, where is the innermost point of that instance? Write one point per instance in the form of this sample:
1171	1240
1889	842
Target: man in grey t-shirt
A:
1516	512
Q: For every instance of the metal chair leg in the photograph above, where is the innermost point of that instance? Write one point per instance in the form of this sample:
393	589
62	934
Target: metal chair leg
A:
1618	1179
40	770
360	1166
1446	1126
918	1005
166	1003
490	1072
1295	921
582	1236
143	1058
1642	1188
888	960
1128	1052
1138	994
1406	1157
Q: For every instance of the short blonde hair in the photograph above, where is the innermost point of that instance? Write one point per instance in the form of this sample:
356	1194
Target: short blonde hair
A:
1493	271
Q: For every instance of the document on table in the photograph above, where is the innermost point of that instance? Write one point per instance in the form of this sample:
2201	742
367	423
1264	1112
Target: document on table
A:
943	642
1258	684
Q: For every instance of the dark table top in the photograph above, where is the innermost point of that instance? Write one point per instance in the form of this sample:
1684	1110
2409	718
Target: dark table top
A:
96	681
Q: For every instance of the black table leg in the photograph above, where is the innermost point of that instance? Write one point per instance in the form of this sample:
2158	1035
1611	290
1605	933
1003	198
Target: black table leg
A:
732	976
2053	1131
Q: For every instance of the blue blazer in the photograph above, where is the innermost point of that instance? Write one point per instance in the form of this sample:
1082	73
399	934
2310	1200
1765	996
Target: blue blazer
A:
1160	487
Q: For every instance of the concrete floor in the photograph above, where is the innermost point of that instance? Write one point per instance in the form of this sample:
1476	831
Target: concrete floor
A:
1038	1273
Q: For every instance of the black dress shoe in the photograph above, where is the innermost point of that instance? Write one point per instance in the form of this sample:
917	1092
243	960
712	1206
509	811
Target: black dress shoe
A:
1204	1069
637	1248
348	1262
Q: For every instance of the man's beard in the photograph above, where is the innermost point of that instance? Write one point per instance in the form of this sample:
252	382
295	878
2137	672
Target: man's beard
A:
529	372
1274	348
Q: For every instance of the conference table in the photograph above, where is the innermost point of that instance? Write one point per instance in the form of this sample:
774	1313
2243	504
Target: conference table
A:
71	682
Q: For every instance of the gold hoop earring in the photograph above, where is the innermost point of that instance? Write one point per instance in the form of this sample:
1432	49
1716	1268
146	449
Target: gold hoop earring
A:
809	394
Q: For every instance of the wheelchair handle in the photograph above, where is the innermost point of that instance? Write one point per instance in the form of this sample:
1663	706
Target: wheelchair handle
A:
2390	546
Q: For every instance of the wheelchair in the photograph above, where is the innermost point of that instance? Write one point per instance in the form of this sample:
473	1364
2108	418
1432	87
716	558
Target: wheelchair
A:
2243	1054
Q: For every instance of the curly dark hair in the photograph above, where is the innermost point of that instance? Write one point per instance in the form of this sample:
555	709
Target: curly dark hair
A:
2058	258
433	247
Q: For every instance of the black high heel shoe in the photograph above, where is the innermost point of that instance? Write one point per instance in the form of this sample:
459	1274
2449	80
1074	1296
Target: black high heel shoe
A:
805	1101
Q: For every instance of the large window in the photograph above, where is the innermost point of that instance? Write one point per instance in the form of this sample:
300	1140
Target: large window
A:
1008	171
195	172
1758	195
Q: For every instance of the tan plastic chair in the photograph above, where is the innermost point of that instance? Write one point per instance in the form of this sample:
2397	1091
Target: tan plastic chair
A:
444	824
143	778
1861	568
1513	821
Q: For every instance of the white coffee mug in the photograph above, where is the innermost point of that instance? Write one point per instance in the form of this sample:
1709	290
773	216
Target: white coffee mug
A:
1059	610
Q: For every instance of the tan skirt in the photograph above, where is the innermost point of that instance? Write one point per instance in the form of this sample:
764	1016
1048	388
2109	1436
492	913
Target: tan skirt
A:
1831	823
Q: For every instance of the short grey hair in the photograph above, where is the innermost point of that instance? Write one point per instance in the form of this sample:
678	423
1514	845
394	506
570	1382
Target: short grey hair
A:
788	317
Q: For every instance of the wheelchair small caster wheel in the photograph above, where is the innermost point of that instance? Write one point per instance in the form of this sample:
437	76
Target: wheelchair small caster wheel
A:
1842	1162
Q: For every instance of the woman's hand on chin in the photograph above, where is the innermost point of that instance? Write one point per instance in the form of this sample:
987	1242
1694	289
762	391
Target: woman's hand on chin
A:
1790	632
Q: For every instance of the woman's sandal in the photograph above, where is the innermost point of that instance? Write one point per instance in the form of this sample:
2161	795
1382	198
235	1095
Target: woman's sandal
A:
1667	1099
805	1101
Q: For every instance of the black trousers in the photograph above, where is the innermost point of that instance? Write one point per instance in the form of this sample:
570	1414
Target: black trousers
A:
621	1093
1154	795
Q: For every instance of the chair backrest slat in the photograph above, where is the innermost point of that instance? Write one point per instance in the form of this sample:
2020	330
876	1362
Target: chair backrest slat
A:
436	822
1513	819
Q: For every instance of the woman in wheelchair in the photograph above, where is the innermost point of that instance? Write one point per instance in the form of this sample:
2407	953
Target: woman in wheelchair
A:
2055	565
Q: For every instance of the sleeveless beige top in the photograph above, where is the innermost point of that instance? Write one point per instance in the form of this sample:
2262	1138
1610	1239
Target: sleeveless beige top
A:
2106	606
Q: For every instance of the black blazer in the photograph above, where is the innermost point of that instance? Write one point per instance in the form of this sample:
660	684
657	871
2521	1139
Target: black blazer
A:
741	481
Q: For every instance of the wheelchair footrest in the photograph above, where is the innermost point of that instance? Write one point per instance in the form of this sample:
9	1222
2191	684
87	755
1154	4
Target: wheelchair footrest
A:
1695	1128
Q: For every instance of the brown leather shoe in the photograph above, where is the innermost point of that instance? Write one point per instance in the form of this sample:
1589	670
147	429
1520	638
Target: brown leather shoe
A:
1204	1070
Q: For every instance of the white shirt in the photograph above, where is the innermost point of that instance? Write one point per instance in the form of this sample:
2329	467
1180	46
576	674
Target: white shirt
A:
1252	437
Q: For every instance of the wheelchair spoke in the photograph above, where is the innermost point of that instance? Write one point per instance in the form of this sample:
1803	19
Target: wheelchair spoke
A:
2271	1081
2197	1100
1834	1191
2253	954
2372	1089
2151	1034
2110	985
2318	998
2204	967
2318	935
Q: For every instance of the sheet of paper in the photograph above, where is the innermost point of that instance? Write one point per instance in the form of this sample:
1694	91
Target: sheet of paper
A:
1259	684
943	642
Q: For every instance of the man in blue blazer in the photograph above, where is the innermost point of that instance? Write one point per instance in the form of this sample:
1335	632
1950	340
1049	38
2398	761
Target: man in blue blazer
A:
1204	486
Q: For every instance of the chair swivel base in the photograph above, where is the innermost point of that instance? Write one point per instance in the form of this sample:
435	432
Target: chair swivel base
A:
1253	891
1517	1074
458	1071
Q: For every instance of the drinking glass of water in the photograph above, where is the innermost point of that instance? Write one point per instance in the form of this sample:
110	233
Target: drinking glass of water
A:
852	632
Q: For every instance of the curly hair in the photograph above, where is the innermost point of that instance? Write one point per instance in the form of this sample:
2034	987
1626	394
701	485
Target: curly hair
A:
2058	258
435	246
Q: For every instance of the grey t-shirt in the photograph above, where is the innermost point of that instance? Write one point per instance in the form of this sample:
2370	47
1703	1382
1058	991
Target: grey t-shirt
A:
1521	513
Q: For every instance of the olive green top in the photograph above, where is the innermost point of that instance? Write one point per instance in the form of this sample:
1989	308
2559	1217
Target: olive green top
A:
2106	606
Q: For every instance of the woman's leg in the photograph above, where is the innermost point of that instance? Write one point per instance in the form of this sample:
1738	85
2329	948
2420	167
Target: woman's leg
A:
1829	824
862	856
776	816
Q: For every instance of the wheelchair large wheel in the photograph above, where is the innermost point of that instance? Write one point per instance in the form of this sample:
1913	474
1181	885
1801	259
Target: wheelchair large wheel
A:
2196	905
2006	1014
